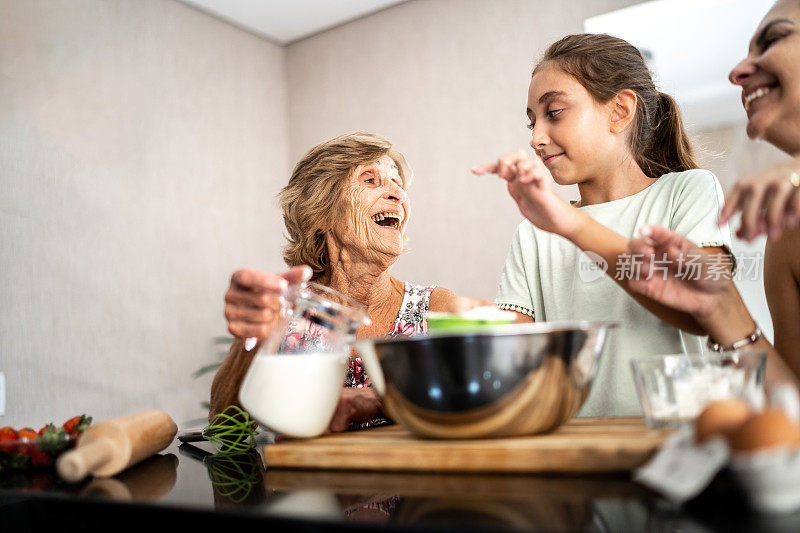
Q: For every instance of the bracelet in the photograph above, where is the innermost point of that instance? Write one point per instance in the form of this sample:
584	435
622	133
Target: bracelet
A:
750	339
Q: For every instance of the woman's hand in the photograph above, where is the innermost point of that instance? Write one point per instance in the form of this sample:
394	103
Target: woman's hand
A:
253	301
529	185
769	201
675	272
462	304
355	405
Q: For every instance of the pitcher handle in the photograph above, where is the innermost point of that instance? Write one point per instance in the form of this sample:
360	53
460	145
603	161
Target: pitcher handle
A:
372	365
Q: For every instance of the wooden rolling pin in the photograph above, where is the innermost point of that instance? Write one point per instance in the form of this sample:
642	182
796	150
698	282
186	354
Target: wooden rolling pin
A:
110	447
149	481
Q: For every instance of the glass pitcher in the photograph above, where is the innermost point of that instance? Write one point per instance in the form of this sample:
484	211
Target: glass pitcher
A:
294	383
315	319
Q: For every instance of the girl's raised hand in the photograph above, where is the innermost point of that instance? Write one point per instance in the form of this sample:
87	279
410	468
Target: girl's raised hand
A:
528	182
769	201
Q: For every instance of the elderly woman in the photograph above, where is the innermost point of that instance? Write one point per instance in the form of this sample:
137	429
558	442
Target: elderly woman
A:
770	203
346	211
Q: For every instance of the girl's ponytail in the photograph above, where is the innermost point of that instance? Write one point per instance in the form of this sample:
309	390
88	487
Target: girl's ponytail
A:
606	65
669	149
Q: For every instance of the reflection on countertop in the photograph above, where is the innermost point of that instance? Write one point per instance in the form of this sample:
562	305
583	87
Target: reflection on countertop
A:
192	478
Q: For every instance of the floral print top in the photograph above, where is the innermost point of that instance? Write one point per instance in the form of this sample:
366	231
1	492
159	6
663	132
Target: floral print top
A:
410	321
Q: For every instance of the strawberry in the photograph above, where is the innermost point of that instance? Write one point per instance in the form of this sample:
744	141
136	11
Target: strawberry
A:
51	441
77	424
40	458
8	436
27	435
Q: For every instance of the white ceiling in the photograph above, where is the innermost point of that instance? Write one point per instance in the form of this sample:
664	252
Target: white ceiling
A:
694	44
286	21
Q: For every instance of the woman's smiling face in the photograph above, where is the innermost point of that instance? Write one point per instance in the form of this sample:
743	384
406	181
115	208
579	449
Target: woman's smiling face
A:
376	210
770	78
569	128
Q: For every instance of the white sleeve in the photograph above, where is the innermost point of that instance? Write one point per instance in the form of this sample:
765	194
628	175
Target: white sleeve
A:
697	202
514	292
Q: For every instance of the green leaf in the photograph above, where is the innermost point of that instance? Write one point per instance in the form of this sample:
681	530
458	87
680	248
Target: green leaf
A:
53	440
206	369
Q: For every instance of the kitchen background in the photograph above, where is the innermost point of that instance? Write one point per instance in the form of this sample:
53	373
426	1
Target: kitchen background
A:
142	143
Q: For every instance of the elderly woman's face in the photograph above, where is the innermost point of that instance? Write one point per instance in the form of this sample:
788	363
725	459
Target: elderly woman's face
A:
770	78
376	209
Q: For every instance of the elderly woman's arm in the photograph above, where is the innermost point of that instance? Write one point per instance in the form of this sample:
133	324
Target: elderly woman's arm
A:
228	379
252	307
355	405
446	301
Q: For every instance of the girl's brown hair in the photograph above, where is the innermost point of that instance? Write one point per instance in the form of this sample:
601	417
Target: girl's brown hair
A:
314	196
606	65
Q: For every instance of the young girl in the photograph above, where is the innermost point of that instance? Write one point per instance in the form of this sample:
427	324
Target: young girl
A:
598	121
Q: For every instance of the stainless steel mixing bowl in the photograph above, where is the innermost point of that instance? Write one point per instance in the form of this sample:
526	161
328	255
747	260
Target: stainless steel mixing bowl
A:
518	379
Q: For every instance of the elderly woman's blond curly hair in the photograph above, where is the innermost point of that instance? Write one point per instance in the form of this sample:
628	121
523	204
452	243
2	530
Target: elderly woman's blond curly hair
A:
312	200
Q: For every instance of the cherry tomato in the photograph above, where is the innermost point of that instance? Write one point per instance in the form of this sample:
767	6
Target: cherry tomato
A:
8	436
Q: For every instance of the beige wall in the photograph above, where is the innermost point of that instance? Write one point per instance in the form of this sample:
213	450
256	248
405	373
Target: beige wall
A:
140	145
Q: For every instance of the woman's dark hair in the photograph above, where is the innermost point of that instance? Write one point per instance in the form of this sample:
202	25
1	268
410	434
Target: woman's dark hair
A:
606	65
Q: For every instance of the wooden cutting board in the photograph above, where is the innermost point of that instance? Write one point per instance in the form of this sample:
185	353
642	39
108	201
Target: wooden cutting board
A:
583	445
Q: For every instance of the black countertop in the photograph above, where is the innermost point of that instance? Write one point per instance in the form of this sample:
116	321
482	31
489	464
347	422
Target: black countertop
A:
189	484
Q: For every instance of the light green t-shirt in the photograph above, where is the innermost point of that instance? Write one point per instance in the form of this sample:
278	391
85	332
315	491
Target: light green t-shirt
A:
550	279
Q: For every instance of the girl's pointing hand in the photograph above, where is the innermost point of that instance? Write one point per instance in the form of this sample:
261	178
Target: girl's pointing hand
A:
528	182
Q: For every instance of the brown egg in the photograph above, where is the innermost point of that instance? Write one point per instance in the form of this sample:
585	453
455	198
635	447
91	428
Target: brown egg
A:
720	418
770	428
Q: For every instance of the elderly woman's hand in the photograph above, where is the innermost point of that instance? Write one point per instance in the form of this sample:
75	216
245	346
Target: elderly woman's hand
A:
355	405
769	201
253	300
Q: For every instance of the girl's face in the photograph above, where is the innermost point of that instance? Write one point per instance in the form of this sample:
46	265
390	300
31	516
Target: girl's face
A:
770	78
570	130
376	210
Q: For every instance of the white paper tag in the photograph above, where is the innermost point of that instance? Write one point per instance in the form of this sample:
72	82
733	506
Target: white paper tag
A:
681	469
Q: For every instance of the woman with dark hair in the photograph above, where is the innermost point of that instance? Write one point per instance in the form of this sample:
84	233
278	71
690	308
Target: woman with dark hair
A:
770	203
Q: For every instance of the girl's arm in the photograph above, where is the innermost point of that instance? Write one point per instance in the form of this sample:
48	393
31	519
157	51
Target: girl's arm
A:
589	235
528	182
